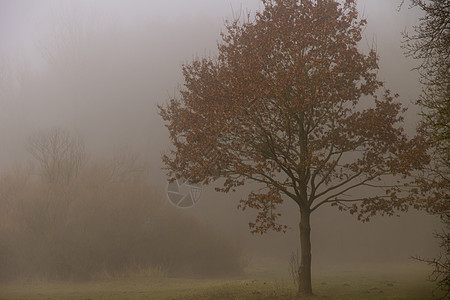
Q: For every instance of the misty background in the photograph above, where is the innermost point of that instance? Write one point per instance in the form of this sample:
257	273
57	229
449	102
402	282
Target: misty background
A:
99	68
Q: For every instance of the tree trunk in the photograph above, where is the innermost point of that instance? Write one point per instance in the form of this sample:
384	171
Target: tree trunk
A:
304	285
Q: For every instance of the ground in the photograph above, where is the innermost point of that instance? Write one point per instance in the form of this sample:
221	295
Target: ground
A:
362	281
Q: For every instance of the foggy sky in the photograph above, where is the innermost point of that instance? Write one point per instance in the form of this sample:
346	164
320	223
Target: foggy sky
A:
148	41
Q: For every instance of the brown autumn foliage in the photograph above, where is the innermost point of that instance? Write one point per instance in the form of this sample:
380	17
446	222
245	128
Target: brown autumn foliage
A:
291	102
107	220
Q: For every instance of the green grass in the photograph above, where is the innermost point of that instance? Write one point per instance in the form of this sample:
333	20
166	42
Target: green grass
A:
350	282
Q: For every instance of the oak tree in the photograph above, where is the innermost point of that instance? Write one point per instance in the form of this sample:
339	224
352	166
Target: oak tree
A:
293	104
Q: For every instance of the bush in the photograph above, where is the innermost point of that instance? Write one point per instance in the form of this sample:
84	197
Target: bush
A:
99	224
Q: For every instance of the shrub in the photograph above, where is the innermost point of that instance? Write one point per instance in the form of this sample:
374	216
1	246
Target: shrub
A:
101	223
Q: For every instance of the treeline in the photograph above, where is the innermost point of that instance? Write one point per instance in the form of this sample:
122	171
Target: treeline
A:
73	218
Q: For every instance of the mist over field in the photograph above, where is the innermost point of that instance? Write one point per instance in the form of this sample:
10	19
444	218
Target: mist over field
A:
94	72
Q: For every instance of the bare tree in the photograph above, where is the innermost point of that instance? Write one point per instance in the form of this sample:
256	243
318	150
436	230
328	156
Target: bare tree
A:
127	166
441	263
60	154
430	45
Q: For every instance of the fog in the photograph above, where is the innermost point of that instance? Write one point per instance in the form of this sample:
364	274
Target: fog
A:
97	69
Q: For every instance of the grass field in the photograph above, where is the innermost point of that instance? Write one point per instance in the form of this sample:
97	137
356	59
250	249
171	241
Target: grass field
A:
381	281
